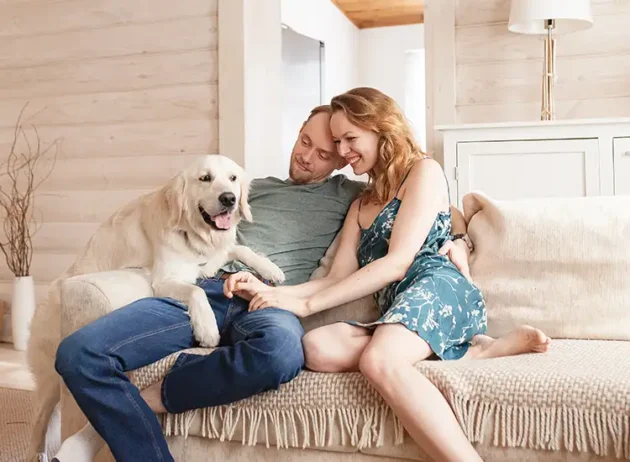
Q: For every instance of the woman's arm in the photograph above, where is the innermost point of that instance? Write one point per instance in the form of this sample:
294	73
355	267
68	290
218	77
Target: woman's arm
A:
422	201
344	263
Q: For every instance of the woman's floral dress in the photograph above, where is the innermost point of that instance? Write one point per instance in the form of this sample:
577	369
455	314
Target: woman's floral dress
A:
434	299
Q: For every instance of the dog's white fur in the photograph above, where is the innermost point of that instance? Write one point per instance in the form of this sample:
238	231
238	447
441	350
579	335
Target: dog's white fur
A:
165	232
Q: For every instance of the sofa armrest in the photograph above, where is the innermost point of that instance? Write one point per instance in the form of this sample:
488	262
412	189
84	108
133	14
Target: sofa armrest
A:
87	297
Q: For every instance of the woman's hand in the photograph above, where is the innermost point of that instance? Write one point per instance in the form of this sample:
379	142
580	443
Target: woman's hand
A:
243	284
273	298
260	295
458	254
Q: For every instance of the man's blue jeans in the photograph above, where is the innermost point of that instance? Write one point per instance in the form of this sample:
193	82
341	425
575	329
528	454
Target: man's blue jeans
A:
258	351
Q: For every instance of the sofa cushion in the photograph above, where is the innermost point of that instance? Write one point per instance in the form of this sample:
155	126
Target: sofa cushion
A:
574	398
562	265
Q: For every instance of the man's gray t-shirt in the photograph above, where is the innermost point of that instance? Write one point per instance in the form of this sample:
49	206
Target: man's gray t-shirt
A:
294	224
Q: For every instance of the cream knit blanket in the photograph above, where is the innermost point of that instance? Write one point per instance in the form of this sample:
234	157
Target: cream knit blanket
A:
576	397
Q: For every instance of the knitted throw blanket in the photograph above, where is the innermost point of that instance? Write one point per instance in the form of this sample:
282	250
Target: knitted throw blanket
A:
576	397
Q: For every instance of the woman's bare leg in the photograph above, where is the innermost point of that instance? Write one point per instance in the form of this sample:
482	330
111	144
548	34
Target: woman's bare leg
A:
388	363
335	348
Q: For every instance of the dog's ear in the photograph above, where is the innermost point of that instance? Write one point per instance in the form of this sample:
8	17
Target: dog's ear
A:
243	205
175	196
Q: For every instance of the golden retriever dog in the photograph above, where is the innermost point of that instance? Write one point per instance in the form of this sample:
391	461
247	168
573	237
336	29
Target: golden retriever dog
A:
181	232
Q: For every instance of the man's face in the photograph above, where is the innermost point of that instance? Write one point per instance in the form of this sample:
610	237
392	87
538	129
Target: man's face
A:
314	155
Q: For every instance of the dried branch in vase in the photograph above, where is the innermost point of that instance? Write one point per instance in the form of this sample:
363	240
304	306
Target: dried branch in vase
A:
20	176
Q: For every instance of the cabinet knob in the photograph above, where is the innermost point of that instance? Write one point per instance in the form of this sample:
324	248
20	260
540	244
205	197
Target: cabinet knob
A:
627	153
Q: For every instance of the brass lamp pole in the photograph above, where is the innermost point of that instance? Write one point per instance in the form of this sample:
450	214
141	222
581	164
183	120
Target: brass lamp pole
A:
549	18
547	111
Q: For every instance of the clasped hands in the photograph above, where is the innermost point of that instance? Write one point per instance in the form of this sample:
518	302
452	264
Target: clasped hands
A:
245	285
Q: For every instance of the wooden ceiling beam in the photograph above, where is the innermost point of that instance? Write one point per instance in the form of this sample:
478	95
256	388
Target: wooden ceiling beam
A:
381	13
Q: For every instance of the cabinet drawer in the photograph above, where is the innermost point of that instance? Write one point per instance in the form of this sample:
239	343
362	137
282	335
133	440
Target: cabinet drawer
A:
509	170
621	159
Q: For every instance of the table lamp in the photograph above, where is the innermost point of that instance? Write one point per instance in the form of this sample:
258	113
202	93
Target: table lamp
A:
544	17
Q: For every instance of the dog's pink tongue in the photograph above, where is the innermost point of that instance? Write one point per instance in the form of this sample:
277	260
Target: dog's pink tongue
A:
223	221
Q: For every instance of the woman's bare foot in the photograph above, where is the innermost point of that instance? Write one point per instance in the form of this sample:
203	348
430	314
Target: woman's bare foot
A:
523	339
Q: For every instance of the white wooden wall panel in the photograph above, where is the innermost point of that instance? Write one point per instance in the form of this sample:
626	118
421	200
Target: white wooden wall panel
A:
493	42
130	87
569	109
21	18
132	72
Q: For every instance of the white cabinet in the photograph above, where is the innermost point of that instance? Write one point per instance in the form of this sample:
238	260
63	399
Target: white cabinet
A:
510	161
621	162
508	170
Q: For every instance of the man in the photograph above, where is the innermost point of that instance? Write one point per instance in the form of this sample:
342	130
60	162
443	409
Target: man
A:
295	221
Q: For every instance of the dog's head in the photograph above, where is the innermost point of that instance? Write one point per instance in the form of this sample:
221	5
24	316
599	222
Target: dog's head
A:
211	193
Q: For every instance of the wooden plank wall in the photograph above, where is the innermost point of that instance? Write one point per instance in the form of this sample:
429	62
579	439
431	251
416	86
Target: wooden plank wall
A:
484	73
498	73
130	87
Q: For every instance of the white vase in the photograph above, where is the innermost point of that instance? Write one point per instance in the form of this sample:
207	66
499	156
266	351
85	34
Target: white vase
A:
22	309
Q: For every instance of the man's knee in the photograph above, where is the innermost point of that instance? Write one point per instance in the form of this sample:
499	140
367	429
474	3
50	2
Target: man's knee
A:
285	355
70	353
79	352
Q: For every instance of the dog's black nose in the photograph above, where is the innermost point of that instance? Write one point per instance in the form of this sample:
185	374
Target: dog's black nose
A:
227	199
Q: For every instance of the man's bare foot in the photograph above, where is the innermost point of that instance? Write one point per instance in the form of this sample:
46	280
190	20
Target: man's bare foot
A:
523	339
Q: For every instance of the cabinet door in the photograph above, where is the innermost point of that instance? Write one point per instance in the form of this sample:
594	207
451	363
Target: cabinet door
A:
621	152
509	170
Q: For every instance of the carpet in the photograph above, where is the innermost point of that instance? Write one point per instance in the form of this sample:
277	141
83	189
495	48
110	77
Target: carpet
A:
16	414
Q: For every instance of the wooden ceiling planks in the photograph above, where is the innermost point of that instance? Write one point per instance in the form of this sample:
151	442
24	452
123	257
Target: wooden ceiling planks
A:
381	13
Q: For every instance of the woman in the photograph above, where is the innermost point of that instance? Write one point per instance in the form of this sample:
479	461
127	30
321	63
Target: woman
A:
389	247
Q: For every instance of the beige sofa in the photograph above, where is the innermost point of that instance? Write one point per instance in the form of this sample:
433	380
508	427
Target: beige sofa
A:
562	265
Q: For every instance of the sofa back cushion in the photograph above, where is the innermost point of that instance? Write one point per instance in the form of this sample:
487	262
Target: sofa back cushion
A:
562	265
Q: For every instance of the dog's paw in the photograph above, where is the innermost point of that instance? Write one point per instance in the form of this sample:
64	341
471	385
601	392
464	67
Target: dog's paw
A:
272	272
208	338
204	324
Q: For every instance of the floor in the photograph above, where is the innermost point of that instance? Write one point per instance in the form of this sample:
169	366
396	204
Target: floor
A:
14	372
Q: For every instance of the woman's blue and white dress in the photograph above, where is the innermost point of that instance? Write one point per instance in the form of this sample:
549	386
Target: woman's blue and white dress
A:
433	299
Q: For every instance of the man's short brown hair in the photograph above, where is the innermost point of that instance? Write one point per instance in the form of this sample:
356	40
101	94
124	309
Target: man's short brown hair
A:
318	110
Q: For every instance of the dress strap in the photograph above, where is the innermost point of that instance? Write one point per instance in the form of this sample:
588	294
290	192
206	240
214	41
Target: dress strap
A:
359	212
406	175
448	186
402	182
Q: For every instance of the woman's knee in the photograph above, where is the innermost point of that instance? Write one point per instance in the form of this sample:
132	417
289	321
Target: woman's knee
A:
316	351
377	363
333	348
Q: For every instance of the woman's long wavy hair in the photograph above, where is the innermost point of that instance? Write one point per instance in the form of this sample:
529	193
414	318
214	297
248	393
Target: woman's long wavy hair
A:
370	109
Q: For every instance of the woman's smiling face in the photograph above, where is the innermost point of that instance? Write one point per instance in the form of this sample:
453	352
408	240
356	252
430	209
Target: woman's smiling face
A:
357	146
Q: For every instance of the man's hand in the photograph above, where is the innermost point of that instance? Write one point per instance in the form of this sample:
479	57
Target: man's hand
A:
261	296
457	252
234	281
272	298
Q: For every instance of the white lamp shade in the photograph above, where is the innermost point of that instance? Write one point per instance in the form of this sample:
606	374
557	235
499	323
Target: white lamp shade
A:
528	16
